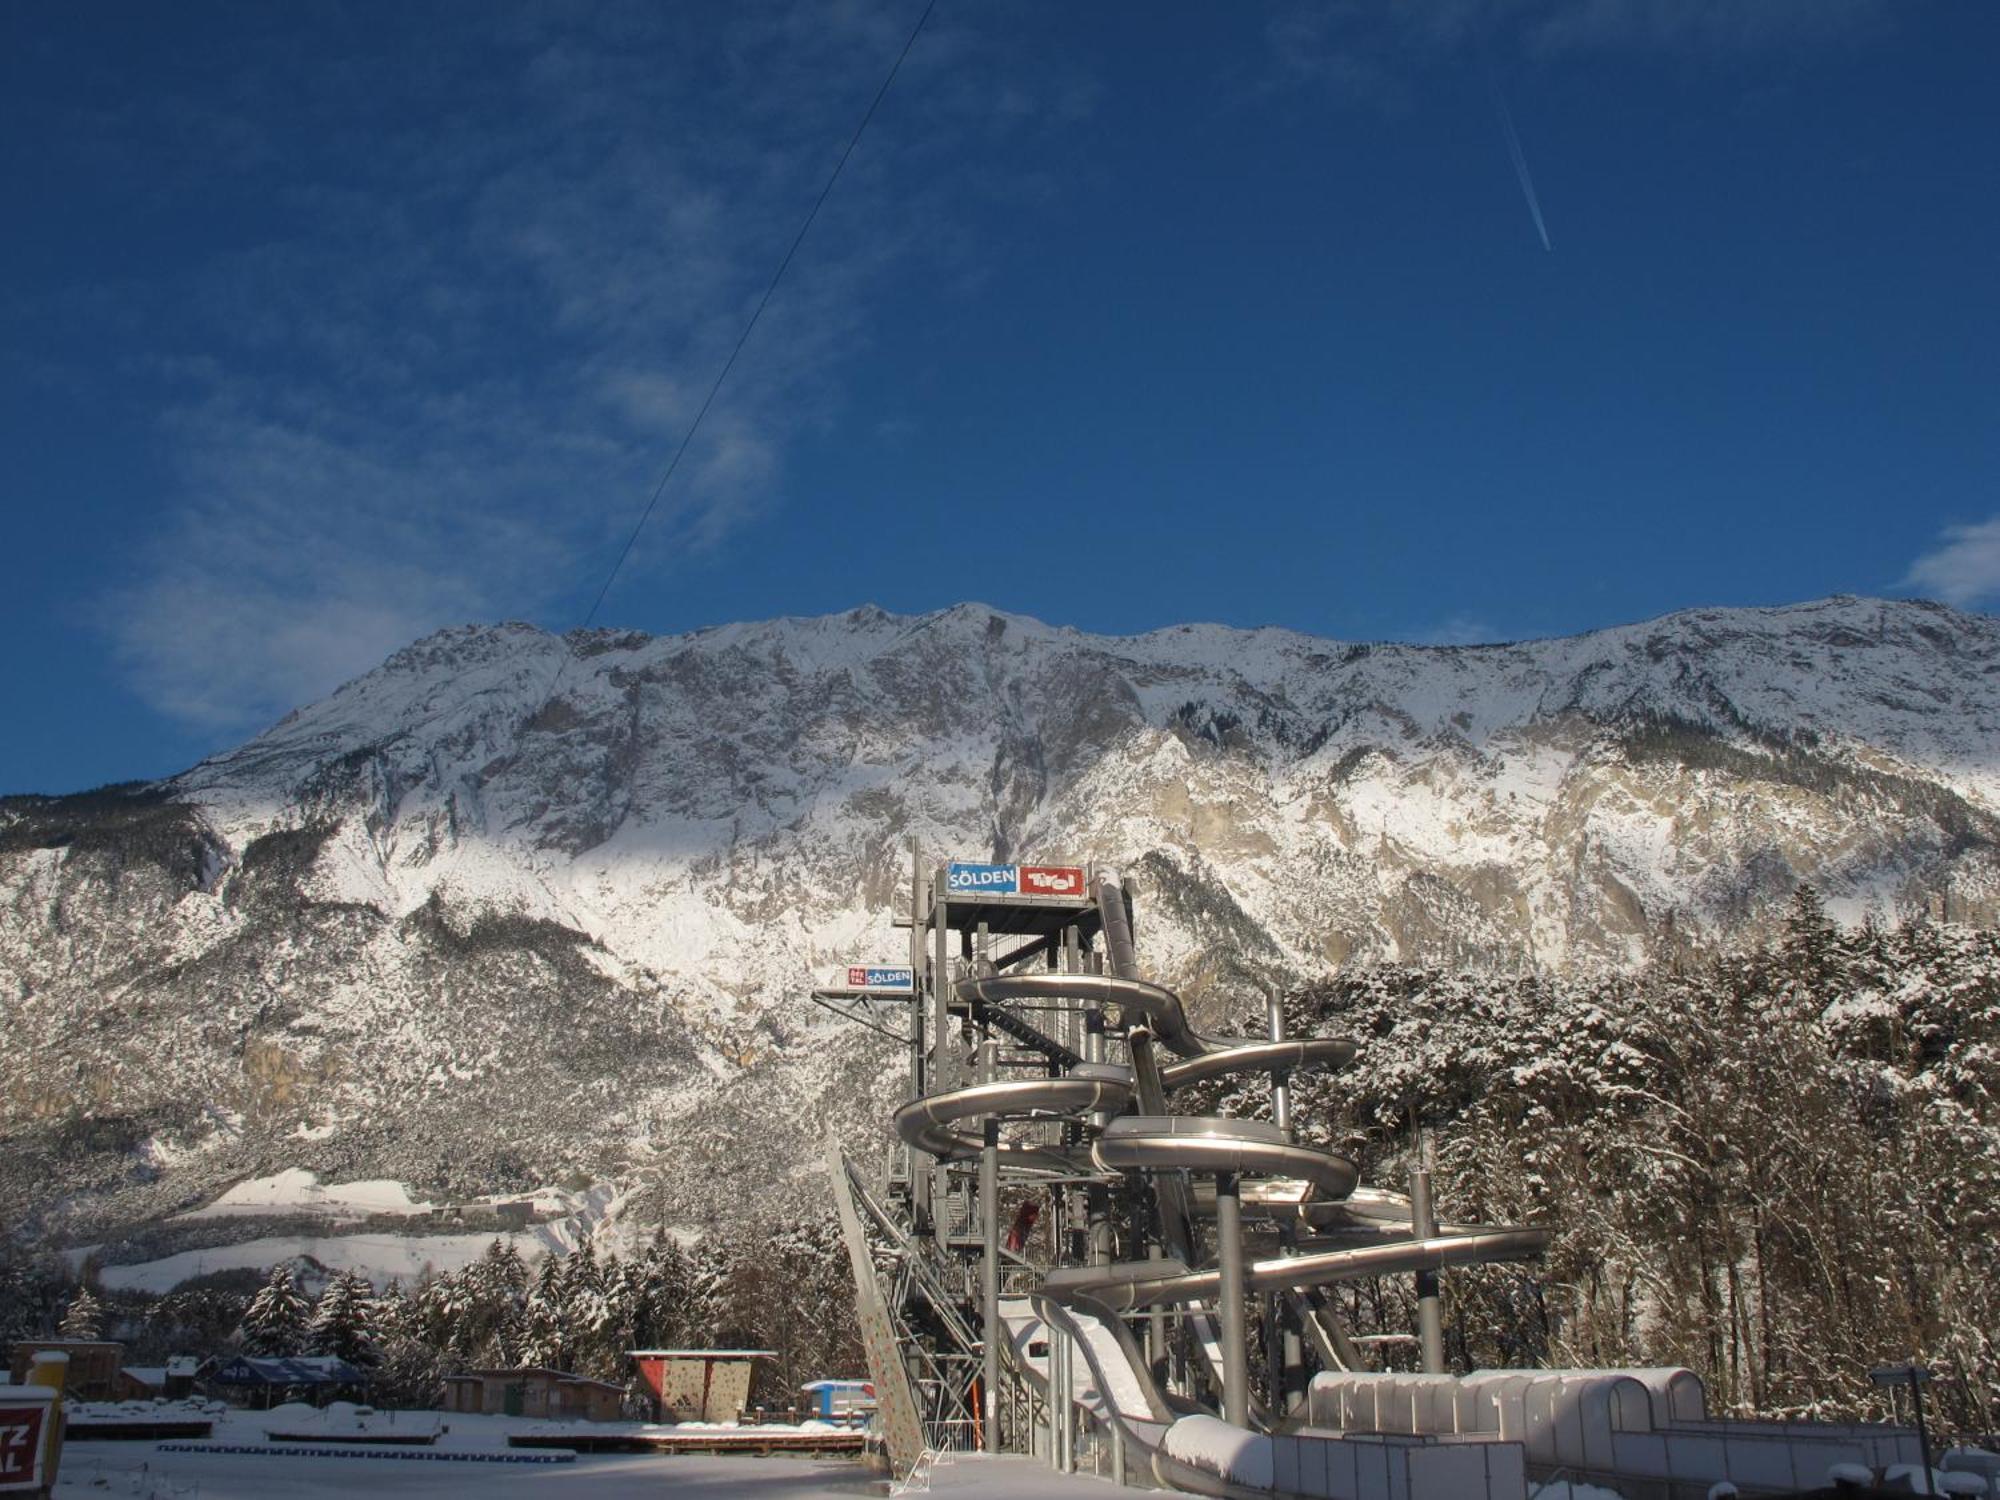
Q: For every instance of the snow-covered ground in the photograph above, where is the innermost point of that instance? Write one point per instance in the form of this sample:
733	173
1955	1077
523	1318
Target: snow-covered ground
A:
299	1191
382	1258
129	1469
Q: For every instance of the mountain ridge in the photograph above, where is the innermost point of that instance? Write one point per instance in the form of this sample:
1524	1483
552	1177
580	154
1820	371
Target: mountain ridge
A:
357	942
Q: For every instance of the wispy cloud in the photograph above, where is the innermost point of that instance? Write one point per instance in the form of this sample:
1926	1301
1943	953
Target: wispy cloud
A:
1370	53
518	240
1704	25
1520	161
1455	630
1964	568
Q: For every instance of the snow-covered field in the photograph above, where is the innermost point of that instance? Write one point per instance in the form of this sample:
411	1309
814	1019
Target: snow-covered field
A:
133	1469
139	1469
296	1190
380	1257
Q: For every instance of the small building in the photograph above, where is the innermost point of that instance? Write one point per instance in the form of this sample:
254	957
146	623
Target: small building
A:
698	1385
533	1391
262	1382
172	1381
93	1365
840	1400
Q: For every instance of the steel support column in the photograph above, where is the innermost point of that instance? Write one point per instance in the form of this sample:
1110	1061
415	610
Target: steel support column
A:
1423	1224
1229	1250
989	1285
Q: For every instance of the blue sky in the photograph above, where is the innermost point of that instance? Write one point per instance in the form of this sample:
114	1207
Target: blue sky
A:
323	326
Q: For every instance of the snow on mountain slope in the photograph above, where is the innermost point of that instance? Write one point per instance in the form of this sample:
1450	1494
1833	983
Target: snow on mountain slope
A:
453	928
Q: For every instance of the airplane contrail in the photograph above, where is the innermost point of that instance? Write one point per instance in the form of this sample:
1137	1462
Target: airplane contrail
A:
1521	165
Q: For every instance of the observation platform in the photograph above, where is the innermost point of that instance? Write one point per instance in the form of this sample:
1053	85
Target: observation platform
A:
1020	900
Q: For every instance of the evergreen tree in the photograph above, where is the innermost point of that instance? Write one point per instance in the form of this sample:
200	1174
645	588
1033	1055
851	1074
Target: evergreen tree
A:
1811	941
342	1323
546	1337
506	1269
409	1370
275	1322
1776	1167
190	1321
84	1318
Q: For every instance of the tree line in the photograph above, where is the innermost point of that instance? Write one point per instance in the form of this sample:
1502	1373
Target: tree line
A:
1779	1167
783	1287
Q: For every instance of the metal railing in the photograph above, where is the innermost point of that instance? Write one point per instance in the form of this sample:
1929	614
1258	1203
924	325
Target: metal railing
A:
953	1435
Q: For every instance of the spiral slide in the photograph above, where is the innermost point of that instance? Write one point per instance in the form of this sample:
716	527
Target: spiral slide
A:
1311	1193
1231	1231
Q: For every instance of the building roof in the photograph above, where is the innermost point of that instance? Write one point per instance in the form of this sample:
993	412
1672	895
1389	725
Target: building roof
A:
60	1344
561	1377
317	1369
702	1353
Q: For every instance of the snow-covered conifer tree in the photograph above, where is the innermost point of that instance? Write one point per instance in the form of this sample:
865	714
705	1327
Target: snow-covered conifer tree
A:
342	1322
84	1318
275	1322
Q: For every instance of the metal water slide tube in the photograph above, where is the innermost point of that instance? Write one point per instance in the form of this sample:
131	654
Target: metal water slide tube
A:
1147	1011
1131	1285
1086	1303
1197	1143
927	1123
1259	1057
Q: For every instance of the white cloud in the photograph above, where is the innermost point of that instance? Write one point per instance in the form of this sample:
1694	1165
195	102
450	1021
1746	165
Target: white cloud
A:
1369	53
1964	568
517	257
216	653
1708	25
1456	630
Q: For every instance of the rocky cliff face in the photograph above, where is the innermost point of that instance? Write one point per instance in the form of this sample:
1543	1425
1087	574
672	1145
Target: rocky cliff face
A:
509	909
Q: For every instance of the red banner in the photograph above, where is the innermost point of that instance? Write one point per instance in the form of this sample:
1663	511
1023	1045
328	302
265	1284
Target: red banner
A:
1051	880
21	1445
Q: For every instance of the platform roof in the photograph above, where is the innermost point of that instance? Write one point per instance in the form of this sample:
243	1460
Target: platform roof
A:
1016	916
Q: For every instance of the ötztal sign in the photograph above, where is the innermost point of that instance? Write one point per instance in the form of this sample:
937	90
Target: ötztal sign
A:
961	879
21	1424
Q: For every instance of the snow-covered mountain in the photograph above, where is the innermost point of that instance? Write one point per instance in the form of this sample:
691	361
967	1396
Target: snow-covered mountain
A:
510	908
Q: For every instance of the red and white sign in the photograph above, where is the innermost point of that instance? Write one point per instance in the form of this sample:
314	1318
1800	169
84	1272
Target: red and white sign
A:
21	1444
1051	880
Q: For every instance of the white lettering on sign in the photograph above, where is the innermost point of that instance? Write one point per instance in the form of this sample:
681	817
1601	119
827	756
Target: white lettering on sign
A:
1051	880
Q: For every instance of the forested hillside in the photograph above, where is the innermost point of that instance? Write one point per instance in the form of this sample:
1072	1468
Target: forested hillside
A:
782	1285
1778	1168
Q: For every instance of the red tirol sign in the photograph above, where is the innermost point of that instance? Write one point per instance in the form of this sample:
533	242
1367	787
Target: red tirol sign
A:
21	1445
1051	880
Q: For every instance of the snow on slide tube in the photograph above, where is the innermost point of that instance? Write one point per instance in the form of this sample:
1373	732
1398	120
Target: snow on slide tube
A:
926	1123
